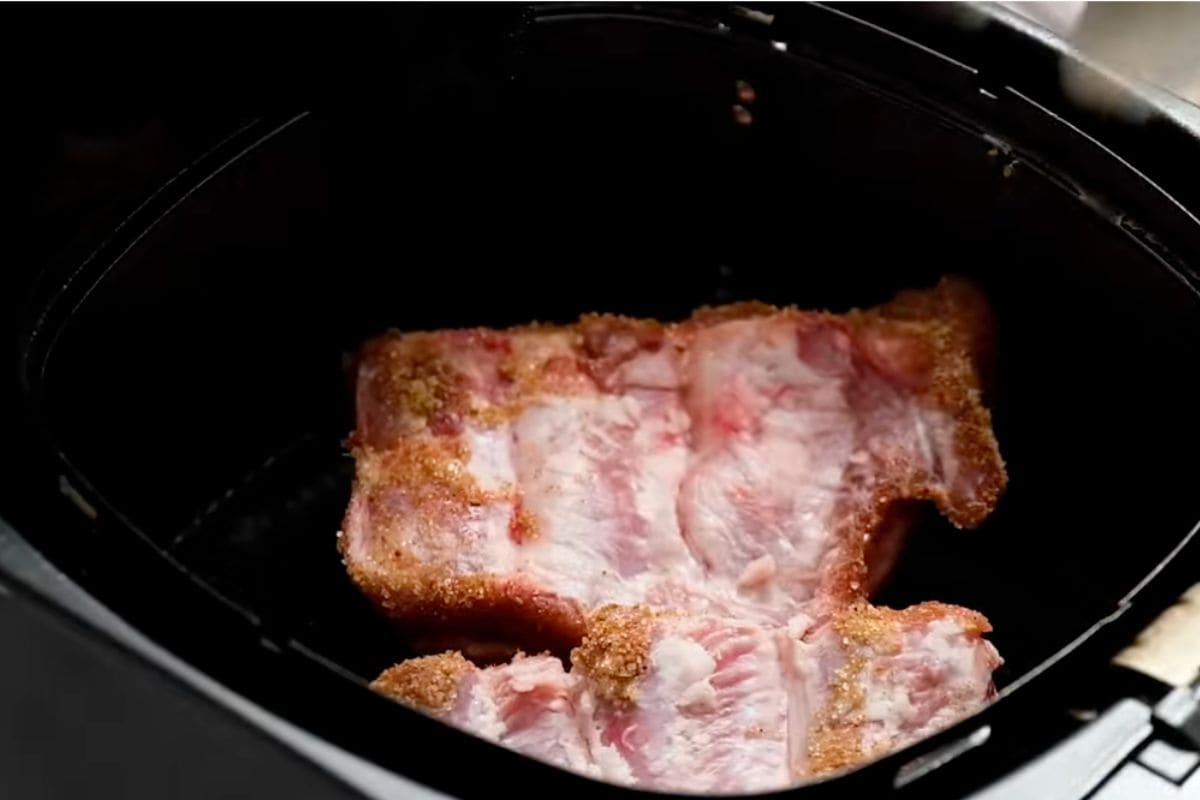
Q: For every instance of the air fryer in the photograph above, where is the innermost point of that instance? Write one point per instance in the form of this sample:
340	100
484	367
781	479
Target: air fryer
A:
187	385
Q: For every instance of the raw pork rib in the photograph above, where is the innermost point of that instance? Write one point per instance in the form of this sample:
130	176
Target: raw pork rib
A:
682	703
875	679
685	703
528	705
696	512
735	464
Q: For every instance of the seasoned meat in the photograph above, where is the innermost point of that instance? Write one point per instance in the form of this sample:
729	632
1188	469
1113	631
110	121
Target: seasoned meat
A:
670	701
695	513
876	679
736	464
529	705
695	704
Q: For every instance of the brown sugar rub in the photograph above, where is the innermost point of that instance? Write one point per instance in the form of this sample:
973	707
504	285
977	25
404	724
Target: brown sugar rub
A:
430	683
615	653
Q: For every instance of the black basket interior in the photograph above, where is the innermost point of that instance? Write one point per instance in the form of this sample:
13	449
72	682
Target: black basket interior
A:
201	385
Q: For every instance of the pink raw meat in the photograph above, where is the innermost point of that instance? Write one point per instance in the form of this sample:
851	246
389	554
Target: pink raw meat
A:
735	464
668	701
685	703
696	512
871	680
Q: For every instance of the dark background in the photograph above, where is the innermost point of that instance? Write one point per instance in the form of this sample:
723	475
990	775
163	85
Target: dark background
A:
103	104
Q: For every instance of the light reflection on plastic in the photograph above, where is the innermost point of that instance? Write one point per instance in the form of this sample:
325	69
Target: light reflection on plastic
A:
919	767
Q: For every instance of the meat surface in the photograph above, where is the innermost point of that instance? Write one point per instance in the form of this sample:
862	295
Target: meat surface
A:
529	705
695	513
876	679
701	704
735	464
675	702
686	703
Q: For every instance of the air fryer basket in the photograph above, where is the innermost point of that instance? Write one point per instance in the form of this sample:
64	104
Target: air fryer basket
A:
192	376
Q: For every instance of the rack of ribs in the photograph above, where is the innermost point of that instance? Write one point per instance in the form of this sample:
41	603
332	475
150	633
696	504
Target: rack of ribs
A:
681	702
748	470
